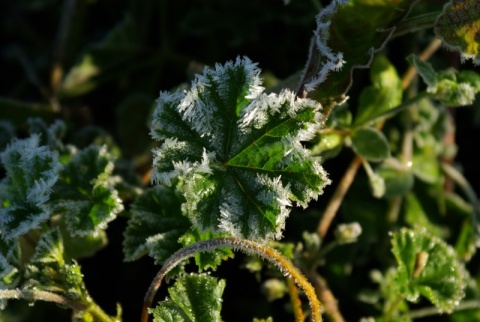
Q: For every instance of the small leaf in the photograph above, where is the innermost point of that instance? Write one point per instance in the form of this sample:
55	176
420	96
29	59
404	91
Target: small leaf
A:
424	69
440	278
194	297
86	197
370	144
238	151
328	146
50	248
385	92
31	172
156	225
459	27
398	181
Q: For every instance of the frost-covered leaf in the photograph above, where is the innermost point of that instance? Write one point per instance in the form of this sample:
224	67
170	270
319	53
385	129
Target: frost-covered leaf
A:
238	151
31	172
51	270
428	266
86	196
50	136
156	225
194	297
9	264
370	144
359	30
7	133
50	248
459	27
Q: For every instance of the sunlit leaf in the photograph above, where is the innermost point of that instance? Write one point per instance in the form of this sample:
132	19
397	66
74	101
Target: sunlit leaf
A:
238	151
385	92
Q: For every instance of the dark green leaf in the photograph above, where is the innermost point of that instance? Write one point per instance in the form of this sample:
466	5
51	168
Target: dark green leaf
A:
424	69
156	225
195	298
86	196
370	144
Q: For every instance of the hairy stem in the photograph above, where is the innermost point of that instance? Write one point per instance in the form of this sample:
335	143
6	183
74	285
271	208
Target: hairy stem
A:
43	296
326	297
295	300
247	246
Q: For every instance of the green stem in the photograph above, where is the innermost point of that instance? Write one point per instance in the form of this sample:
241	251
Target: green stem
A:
392	308
247	246
429	311
406	104
100	315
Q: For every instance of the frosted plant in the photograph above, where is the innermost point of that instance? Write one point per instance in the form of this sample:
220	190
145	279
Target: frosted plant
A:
237	151
327	60
31	172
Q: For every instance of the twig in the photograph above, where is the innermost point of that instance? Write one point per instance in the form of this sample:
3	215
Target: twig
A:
327	298
337	198
247	246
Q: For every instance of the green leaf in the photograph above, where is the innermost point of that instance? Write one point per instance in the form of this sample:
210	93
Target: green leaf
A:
424	69
50	270
238	151
459	27
50	136
328	146
156	225
196	298
385	92
428	266
398	181
31	172
370	144
416	216
86	196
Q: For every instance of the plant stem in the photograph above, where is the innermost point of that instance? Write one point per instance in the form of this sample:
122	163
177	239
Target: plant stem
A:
295	300
429	311
326	297
339	194
247	246
42	296
99	314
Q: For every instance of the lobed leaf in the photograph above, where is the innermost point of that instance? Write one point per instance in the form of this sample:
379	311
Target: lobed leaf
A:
194	297
238	151
86	196
428	266
156	225
31	172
